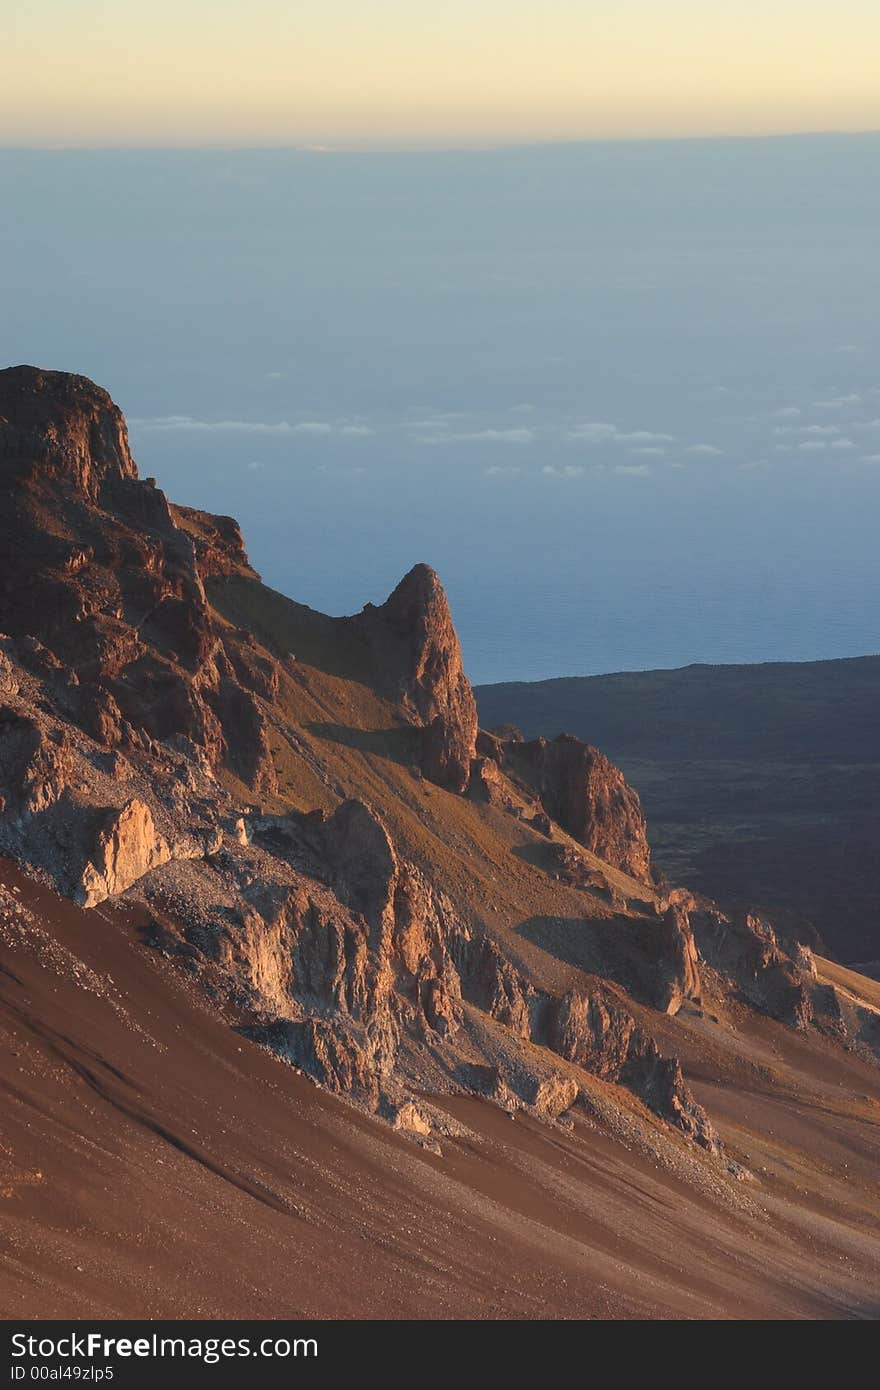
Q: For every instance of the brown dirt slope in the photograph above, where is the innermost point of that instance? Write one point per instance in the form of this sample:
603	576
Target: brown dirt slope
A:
154	1163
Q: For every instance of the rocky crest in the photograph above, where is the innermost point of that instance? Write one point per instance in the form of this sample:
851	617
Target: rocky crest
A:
416	657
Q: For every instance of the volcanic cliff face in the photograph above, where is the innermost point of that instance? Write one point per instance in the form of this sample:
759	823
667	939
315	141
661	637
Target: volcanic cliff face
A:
295	808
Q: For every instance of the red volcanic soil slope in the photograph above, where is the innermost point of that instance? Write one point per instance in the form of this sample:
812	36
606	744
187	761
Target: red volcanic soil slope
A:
155	1163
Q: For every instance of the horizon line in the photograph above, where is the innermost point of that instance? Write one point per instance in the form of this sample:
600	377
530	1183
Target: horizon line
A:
318	148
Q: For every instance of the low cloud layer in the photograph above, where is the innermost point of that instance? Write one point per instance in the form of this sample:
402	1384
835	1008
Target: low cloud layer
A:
186	424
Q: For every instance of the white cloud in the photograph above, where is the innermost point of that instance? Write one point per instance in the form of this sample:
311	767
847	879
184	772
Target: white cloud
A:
785	412
806	430
645	437
601	432
842	444
487	436
653	451
838	402
633	470
162	424
312	427
418	414
870	458
569	470
592	432
431	420
704	450
185	424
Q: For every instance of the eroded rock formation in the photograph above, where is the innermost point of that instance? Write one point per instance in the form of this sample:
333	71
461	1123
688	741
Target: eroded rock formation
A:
584	793
416	656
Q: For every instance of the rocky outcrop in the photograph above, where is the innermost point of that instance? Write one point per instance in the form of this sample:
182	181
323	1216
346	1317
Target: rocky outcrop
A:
107	580
364	869
416	657
409	1118
678	974
34	764
587	796
495	985
482	1079
127	846
8	679
662	1086
335	1054
426	978
592	1030
804	959
486	783
745	950
218	541
597	1034
361	942
57	426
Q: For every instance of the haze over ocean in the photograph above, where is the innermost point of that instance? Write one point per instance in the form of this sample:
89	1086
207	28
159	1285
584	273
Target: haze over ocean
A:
625	397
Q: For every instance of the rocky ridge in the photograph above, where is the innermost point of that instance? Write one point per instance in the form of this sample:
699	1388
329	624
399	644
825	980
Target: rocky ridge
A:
138	748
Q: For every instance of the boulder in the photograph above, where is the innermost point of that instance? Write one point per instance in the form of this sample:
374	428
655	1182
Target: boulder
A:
409	1118
552	1095
126	847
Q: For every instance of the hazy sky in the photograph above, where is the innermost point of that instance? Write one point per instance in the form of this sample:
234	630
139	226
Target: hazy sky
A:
403	72
625	397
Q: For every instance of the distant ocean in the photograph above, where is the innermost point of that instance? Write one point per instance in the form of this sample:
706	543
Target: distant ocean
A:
624	397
